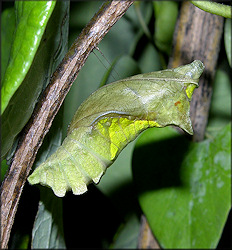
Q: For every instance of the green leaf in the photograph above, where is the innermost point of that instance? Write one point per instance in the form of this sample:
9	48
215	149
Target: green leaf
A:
184	188
165	13
7	33
214	8
48	227
227	39
4	168
220	110
48	56
31	21
141	17
113	116
149	59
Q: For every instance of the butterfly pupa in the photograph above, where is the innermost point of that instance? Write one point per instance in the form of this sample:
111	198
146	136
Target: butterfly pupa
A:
113	116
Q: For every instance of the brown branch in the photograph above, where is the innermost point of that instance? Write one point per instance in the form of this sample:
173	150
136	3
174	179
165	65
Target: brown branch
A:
48	106
146	238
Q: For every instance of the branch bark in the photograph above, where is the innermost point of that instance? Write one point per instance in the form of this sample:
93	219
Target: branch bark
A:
48	106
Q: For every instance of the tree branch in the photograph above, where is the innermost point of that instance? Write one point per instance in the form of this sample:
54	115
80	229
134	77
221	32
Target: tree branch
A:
48	106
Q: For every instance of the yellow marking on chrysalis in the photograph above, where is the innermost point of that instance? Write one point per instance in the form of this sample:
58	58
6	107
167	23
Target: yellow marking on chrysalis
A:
121	131
103	127
189	90
118	136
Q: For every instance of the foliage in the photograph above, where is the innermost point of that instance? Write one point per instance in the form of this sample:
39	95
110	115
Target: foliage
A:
194	178
104	216
214	8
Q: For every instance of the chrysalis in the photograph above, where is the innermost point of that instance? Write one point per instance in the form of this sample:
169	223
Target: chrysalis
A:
113	116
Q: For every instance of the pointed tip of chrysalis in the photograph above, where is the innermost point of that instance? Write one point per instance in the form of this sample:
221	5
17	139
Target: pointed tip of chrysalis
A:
197	68
192	70
187	126
189	130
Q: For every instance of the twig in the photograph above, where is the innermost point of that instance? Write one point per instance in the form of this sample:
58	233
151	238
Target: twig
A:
48	106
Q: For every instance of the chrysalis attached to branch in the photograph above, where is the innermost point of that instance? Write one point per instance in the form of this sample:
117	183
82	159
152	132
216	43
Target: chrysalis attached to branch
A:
113	116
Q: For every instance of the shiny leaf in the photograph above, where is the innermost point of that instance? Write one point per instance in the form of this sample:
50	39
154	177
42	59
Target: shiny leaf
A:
48	227
48	56
7	33
31	21
184	188
165	13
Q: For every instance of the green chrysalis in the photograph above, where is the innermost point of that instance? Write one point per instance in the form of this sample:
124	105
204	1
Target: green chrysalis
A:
113	116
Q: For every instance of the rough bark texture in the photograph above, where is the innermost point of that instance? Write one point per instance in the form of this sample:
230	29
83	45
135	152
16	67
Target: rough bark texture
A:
48	106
